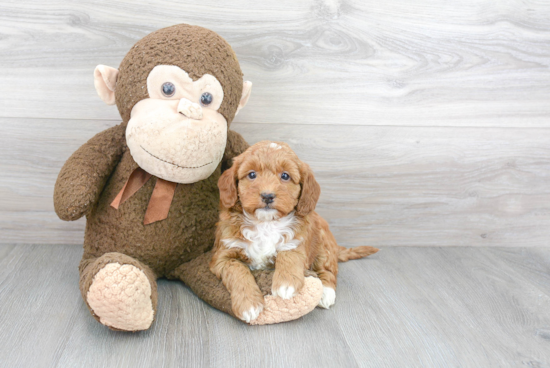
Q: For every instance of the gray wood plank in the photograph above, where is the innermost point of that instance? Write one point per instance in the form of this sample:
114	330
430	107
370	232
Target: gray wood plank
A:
465	307
380	185
404	306
422	63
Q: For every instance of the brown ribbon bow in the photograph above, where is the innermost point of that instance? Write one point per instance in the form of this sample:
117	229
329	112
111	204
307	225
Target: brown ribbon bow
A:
160	201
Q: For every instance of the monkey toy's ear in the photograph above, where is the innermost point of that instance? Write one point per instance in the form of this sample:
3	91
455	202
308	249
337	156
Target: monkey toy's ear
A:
247	88
105	82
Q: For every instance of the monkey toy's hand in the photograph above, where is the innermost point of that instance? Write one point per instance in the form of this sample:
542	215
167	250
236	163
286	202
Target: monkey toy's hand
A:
85	173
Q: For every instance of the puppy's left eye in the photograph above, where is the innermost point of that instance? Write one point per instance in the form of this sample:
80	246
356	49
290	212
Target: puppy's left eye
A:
285	176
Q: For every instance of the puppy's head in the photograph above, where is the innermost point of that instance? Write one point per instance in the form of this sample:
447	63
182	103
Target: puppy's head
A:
270	182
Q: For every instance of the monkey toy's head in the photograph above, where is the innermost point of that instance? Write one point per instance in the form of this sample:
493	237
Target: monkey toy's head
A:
177	89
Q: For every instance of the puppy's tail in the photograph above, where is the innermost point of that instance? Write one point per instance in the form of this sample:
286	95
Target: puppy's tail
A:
345	254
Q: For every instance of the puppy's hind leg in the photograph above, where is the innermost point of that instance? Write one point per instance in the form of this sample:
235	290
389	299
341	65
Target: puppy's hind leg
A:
328	279
326	267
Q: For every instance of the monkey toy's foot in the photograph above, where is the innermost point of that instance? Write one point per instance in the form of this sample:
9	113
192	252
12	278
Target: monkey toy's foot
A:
120	297
278	310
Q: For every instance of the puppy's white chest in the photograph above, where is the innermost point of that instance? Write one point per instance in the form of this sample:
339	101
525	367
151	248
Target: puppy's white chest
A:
264	240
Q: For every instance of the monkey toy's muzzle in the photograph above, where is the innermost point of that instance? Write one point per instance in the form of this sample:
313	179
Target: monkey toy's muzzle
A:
190	109
176	140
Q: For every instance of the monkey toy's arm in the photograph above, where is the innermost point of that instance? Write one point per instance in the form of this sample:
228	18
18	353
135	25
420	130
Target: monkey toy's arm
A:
83	176
234	147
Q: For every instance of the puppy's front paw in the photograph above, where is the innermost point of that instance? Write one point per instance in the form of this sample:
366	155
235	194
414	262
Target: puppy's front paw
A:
251	314
285	292
247	308
328	298
286	286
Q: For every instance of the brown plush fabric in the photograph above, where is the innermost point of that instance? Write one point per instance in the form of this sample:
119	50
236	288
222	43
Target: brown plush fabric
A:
83	177
187	232
196	50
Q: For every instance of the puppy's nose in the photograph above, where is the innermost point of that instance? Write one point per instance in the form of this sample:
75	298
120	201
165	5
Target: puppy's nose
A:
267	198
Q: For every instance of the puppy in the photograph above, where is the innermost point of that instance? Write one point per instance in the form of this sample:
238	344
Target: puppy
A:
267	220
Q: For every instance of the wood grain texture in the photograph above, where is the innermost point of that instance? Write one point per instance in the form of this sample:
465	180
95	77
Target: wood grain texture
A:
403	307
381	186
422	63
426	122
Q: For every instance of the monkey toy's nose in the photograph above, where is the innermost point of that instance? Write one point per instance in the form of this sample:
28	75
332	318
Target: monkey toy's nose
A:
267	198
190	109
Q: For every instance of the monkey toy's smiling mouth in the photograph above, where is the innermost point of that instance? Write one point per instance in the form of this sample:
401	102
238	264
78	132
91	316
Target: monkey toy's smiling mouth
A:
171	163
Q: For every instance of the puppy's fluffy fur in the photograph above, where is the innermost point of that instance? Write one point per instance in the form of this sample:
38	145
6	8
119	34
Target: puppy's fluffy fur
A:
268	220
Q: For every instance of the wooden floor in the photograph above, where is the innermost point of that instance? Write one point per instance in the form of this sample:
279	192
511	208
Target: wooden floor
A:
404	307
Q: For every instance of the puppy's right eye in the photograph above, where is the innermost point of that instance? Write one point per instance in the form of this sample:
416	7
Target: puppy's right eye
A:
252	175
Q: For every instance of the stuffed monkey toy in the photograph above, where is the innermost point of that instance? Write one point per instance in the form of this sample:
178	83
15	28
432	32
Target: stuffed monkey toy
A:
148	187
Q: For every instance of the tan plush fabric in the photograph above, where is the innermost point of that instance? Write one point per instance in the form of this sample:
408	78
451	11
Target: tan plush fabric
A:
172	148
90	267
194	89
121	296
105	83
277	310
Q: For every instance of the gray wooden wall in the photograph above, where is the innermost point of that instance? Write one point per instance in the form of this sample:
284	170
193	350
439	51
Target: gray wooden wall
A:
427	122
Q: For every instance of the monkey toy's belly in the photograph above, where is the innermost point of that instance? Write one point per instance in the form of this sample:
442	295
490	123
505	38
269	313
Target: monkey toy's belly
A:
187	232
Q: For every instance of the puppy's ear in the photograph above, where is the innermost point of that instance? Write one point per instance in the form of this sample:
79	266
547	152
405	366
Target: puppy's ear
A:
311	190
228	185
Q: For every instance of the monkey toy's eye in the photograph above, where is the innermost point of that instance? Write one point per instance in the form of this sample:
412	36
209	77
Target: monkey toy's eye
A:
285	176
252	175
168	89
206	98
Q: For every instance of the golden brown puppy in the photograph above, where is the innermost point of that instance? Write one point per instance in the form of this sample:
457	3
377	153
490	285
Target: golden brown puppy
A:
268	220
